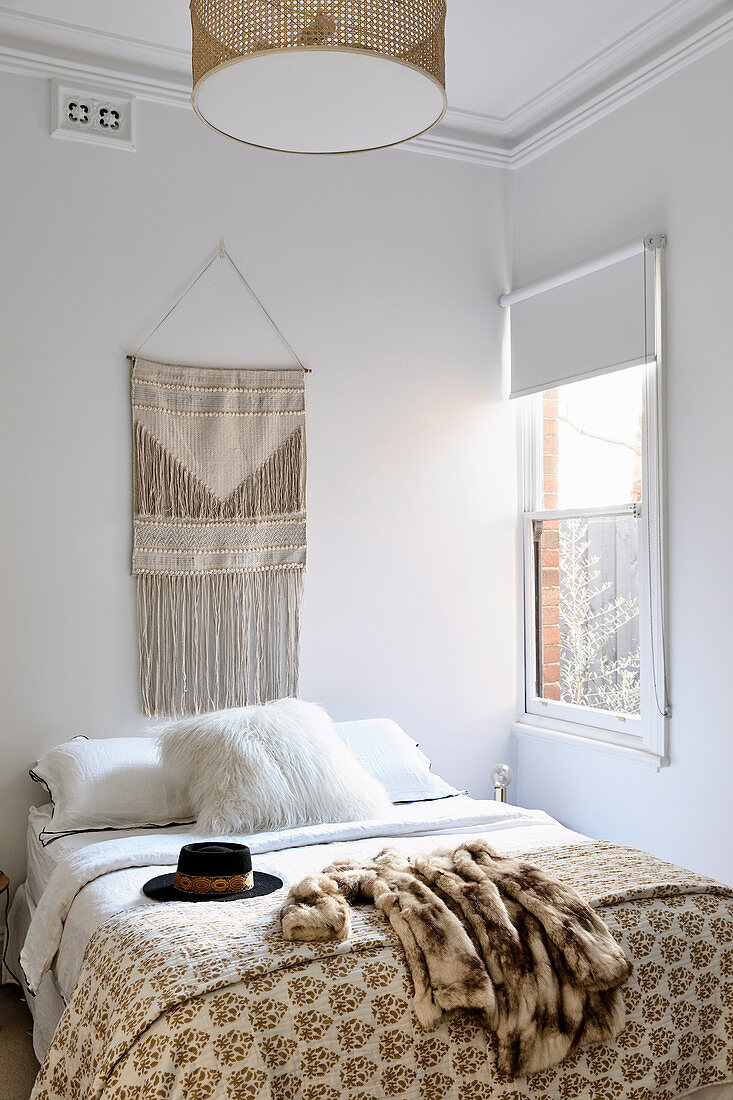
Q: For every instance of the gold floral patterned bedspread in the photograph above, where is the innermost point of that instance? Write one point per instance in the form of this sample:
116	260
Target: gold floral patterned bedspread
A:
208	1001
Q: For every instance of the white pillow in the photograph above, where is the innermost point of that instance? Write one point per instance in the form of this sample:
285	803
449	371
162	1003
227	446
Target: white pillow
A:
252	769
388	754
109	783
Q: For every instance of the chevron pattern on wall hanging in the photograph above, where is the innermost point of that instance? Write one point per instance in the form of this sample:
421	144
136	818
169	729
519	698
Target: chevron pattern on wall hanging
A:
219	534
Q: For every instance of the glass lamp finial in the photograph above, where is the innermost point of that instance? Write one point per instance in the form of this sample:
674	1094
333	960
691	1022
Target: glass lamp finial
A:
501	777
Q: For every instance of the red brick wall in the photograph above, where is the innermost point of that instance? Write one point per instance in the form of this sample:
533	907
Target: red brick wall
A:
549	553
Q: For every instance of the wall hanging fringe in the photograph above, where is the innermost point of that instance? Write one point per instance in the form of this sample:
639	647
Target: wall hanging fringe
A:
219	534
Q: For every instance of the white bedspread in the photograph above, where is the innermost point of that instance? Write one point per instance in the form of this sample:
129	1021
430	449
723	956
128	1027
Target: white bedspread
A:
101	878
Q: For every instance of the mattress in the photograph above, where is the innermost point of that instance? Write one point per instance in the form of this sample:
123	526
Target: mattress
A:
41	861
44	856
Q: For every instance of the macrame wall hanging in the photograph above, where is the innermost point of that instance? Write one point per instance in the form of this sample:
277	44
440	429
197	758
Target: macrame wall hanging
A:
219	529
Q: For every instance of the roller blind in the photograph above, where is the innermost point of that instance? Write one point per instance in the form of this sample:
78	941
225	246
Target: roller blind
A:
594	322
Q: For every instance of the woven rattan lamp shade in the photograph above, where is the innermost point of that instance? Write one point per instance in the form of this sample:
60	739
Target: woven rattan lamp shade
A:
319	76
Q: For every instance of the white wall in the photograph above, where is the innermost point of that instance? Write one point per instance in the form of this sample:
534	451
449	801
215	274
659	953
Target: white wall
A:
383	270
662	163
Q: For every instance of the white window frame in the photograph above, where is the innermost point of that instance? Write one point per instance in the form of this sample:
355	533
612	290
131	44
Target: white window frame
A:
644	737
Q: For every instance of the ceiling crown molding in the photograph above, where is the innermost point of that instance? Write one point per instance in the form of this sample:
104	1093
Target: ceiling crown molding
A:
677	36
34	46
469	136
681	33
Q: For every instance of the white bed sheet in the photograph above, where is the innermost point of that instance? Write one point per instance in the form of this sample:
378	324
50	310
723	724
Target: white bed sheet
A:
93	879
47	1007
43	857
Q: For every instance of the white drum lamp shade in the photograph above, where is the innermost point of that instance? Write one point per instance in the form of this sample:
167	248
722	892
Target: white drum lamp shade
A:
319	76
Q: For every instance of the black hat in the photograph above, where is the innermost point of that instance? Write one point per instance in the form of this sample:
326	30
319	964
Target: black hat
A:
212	872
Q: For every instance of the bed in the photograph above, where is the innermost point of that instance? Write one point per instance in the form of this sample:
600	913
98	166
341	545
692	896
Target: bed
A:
329	1022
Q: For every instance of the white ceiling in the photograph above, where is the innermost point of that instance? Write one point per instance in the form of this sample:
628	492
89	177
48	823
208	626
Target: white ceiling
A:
501	54
514	67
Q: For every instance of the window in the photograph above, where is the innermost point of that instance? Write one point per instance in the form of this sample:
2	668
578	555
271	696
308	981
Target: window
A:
592	605
587	363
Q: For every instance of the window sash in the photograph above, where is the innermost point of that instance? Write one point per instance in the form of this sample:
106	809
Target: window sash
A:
626	727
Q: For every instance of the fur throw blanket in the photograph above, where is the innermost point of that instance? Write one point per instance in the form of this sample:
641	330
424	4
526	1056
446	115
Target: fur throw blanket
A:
482	932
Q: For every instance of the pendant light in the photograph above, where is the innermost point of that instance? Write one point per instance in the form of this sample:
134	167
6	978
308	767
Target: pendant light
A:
319	76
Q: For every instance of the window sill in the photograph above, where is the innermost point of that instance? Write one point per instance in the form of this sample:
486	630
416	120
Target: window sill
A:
575	738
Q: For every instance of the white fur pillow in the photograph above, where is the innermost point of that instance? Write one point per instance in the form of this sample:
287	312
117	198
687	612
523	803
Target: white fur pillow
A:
253	769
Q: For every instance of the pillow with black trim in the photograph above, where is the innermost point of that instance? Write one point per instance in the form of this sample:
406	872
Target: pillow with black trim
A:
97	784
388	754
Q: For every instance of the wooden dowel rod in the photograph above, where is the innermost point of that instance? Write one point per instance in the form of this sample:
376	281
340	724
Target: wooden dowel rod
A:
131	358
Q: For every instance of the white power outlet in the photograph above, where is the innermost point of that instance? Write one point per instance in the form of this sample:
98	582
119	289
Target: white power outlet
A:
98	116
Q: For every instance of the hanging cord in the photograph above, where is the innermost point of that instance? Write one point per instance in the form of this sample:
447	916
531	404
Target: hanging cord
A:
222	254
662	706
175	305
